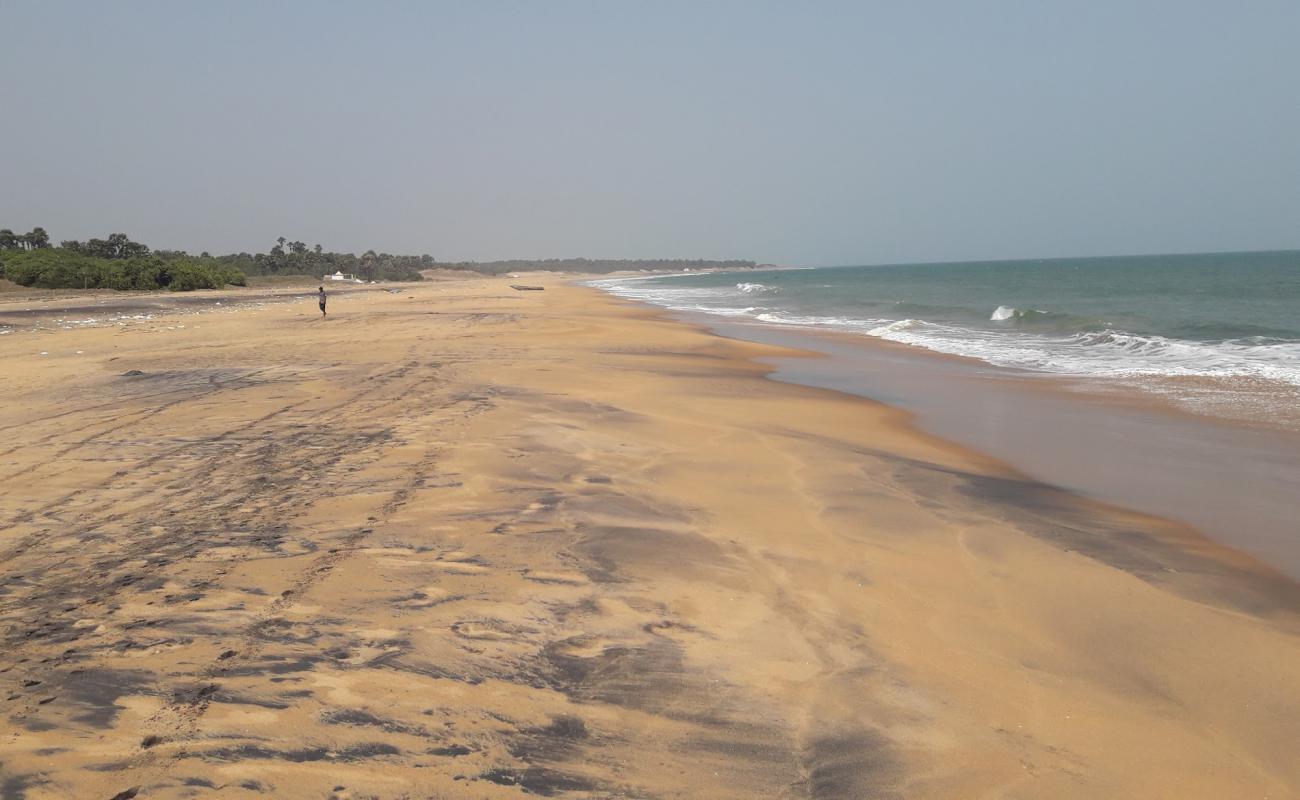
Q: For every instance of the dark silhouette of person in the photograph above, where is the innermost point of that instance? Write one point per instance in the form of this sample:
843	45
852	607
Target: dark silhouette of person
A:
322	301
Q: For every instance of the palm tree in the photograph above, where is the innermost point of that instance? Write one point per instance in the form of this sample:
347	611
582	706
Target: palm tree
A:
368	260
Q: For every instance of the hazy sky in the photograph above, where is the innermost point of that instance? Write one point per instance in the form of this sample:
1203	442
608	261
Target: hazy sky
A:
798	133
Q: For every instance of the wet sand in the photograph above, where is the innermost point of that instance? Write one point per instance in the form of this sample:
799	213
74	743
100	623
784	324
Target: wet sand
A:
1234	481
468	542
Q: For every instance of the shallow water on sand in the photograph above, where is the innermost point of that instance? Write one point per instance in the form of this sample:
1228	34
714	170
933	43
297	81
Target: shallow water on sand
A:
1237	484
1218	333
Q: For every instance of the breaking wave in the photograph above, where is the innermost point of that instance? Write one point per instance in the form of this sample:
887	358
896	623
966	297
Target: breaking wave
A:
1106	353
1059	343
1052	319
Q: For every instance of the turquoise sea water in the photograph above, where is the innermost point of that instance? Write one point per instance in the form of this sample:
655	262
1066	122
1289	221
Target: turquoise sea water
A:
1215	315
1220	331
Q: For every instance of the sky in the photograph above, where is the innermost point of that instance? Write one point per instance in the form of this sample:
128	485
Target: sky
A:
792	133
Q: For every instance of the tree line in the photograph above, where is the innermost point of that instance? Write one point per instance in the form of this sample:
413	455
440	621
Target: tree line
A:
36	239
117	262
296	258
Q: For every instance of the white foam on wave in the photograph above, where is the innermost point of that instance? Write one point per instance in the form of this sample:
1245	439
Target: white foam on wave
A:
1004	313
1108	353
1111	353
895	327
754	288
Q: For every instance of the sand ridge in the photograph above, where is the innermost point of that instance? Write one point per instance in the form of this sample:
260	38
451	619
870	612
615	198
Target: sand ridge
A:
460	541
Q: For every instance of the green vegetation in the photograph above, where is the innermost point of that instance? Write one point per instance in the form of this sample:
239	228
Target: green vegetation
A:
116	262
35	240
112	263
296	258
119	263
57	268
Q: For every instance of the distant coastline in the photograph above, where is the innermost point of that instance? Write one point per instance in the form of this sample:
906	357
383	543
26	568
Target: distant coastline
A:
32	260
600	266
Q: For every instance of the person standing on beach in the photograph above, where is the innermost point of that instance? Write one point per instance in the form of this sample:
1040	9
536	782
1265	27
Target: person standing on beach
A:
322	301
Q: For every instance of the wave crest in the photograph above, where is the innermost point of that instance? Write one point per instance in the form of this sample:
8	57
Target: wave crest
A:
1047	341
1003	313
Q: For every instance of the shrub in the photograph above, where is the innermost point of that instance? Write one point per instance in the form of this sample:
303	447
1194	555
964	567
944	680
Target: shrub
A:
145	272
186	276
51	268
231	275
59	268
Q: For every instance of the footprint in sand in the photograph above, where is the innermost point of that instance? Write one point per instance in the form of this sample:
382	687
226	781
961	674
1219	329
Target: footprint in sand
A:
460	563
564	578
584	646
487	630
456	562
426	597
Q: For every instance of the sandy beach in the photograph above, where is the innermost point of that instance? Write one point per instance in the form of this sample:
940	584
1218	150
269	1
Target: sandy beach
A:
463	541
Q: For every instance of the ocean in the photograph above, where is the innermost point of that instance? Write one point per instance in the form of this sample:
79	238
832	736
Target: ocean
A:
1218	332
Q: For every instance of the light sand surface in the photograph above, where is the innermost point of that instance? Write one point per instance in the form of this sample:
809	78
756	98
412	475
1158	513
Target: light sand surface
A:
468	542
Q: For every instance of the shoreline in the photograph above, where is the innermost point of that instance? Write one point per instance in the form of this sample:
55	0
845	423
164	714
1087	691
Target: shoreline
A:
913	423
1151	454
1120	392
465	540
1252	393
